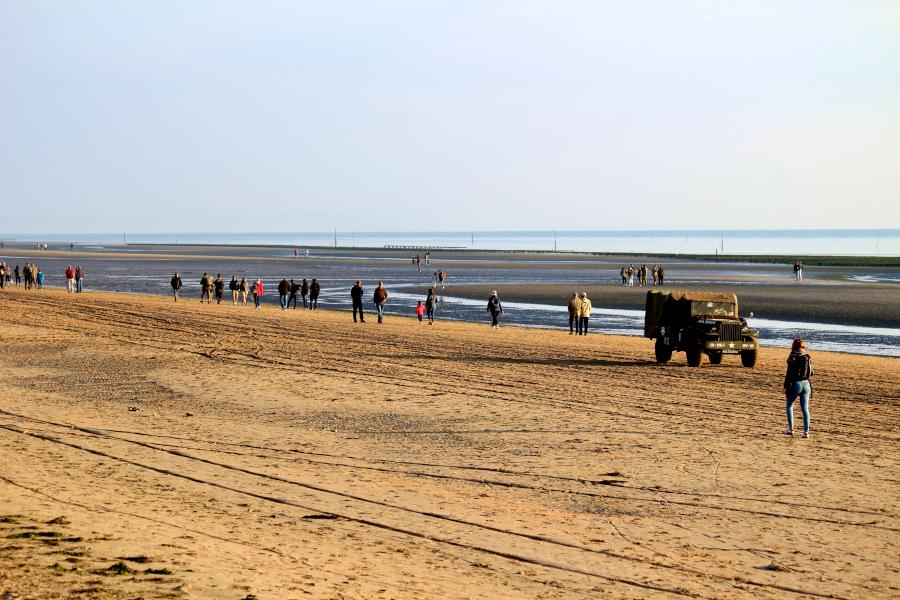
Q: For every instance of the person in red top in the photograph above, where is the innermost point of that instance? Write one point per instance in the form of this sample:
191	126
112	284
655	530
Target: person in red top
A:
420	310
70	279
257	292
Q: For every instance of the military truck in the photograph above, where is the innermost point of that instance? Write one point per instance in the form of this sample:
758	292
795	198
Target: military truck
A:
698	323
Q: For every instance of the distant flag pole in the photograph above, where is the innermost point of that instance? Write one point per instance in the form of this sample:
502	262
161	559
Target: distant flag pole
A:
554	240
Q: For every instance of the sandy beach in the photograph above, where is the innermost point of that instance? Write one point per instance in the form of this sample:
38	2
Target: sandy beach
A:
160	450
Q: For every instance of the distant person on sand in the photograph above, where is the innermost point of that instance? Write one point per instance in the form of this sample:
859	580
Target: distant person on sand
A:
431	305
283	289
293	291
584	314
219	287
574	305
442	277
176	285
623	272
314	289
418	262
79	279
18	275
631	275
40	279
659	274
206	289
258	290
427	257
234	287
796	385
2	275
379	298
356	295
420	310
495	308
304	293
245	290
70	279
798	271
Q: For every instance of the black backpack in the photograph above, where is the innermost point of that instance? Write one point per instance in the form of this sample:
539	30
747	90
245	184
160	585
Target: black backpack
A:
800	368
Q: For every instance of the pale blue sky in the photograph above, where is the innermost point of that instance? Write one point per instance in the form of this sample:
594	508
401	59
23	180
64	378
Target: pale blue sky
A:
294	116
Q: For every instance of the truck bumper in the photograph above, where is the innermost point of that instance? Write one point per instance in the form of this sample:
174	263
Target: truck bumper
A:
731	347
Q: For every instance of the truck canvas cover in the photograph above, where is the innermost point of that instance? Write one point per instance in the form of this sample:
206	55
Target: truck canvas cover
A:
673	307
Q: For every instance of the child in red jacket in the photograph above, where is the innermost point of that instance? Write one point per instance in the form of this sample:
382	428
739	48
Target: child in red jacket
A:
420	310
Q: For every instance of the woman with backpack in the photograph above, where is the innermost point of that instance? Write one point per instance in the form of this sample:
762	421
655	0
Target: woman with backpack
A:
796	385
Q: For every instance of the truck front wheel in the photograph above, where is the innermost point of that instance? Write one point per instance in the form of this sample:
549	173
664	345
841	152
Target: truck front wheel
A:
715	357
694	355
748	358
663	353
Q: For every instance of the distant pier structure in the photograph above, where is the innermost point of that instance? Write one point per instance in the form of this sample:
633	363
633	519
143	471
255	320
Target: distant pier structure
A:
399	247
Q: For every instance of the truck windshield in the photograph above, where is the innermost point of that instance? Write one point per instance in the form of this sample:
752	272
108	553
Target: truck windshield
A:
712	309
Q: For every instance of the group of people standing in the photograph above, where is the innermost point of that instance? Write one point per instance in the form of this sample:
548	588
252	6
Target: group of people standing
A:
33	277
629	273
241	290
798	270
579	313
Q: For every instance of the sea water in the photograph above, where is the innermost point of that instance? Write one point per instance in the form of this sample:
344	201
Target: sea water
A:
849	242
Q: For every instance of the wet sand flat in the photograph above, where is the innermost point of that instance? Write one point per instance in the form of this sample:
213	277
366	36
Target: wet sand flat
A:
158	450
867	304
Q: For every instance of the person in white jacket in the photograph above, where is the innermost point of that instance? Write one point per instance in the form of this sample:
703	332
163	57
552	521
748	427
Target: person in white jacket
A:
584	314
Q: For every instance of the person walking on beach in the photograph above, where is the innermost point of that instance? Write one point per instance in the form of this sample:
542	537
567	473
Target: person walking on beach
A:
584	314
314	289
427	257
79	279
659	274
379	298
304	293
70	279
219	287
245	290
283	289
3	270
420	310
431	305
234	287
624	274
573	312
442	277
176	285
796	385
630	275
258	292
205	289
40	279
18	275
356	296
418	262
495	308
294	290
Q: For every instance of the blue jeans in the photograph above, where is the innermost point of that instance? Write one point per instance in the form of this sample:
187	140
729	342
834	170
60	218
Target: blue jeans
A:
379	308
79	285
283	301
801	389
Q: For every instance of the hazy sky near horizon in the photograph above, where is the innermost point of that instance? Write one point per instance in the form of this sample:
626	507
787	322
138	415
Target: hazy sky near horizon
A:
304	116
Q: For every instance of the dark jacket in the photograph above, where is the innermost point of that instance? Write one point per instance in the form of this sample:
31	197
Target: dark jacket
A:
176	283
799	368
284	287
304	288
356	293
314	289
295	287
494	305
380	295
233	285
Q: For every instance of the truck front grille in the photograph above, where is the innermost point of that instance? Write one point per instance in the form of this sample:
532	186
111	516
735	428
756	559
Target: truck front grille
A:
730	332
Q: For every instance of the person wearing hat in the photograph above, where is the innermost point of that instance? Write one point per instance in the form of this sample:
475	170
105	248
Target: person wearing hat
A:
796	385
584	313
495	308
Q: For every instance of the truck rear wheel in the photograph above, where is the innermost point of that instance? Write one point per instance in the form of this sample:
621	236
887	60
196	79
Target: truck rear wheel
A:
663	353
748	358
715	357
694	355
